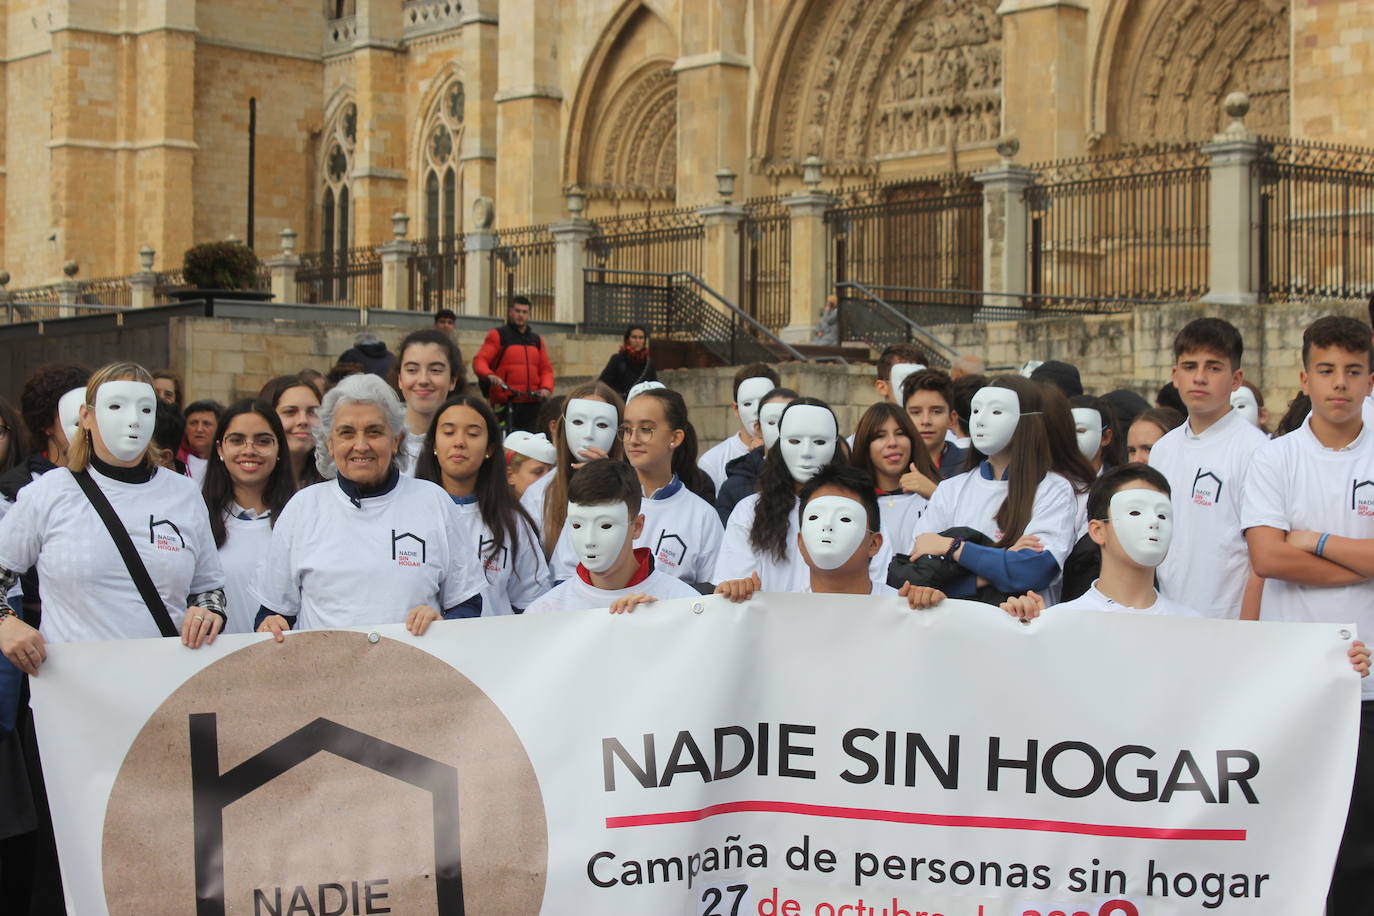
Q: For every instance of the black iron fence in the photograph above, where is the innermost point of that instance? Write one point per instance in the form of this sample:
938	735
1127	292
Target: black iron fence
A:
523	264
925	234
109	291
765	262
1131	225
349	277
1314	220
657	241
437	275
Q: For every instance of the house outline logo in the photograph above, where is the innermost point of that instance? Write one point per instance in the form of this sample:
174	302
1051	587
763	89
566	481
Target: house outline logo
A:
492	560
400	554
673	559
1215	497
1365	507
153	533
214	791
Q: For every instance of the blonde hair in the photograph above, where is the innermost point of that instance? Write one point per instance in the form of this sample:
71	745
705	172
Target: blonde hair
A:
82	448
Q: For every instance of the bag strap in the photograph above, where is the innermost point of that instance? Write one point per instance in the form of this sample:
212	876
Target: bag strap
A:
132	562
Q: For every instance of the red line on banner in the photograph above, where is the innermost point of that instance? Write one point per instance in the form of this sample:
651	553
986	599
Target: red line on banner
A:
930	820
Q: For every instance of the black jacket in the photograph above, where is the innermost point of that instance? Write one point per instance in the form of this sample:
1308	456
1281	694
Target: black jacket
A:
373	356
741	480
623	373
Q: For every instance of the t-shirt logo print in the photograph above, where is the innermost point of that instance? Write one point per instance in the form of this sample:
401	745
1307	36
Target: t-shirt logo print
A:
1362	503
164	535
671	550
407	549
1206	488
493	557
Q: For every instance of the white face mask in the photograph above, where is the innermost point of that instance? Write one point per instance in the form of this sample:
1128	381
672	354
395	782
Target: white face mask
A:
898	376
751	391
589	424
69	412
769	415
1144	524
1087	424
125	413
832	528
598	533
806	436
995	414
1243	400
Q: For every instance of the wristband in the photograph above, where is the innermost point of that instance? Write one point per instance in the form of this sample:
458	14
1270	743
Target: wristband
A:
953	547
7	611
1321	543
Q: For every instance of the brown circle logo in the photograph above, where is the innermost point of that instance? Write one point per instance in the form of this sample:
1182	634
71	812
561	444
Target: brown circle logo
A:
321	777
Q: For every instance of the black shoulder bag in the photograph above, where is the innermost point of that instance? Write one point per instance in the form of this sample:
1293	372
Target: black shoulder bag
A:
132	562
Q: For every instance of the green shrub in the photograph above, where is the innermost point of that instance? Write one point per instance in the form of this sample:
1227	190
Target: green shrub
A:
220	265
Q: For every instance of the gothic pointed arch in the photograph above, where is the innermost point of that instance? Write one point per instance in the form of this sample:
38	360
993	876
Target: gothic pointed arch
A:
626	107
337	143
1164	67
860	81
437	145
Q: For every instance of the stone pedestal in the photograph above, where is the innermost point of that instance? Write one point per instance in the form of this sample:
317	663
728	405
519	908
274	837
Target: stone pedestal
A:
477	249
282	270
807	214
570	257
720	267
1234	238
395	256
141	289
1004	230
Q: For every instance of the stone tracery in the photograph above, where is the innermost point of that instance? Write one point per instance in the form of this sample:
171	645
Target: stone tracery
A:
637	153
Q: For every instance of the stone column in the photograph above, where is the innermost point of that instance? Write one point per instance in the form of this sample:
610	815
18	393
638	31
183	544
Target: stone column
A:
1045	63
480	40
143	285
396	255
529	114
379	160
712	96
720	269
1004	230
283	268
477	248
1234	238
570	257
808	255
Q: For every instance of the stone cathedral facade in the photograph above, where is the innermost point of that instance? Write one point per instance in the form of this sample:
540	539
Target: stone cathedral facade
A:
128	124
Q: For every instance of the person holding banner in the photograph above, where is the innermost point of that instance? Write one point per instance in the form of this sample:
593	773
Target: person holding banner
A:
1308	517
603	522
464	453
371	546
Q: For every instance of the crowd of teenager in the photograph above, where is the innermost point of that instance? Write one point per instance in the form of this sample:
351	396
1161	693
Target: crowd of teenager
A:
353	499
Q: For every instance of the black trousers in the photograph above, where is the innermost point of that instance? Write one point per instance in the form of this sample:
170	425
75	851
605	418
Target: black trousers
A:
524	415
1352	883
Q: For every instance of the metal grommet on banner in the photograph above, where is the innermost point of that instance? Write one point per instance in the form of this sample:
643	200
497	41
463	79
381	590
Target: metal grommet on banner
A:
1345	634
374	638
698	607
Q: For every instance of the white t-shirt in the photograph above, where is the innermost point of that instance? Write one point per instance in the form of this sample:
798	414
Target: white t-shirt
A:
245	547
336	564
533	500
196	467
715	458
681	530
899	512
880	590
737	559
87	592
971	500
1297	484
508	583
1208	562
576	595
411	446
1094	600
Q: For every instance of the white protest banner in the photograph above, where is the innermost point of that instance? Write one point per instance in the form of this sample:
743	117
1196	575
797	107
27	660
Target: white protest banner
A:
798	755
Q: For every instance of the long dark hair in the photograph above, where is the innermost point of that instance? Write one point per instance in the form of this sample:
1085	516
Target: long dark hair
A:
272	393
685	455
871	423
218	488
1113	452
501	511
1066	459
778	491
19	440
1031	454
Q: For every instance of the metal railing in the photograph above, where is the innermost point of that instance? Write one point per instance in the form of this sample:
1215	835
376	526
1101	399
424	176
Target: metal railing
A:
657	241
765	261
930	307
1131	225
109	291
18	312
523	264
1314	220
920	234
438	274
679	306
866	316
349	277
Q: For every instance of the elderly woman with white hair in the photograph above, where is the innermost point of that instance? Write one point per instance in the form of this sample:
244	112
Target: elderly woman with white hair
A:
370	546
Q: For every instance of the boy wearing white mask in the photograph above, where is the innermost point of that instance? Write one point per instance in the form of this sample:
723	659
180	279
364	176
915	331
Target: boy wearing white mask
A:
604	520
752	382
742	474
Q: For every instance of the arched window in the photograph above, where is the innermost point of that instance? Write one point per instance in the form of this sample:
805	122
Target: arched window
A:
337	149
439	167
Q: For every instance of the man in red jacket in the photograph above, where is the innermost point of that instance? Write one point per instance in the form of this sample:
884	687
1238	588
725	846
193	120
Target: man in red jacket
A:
514	362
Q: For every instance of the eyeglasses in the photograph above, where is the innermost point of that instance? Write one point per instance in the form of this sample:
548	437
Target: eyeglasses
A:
644	433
